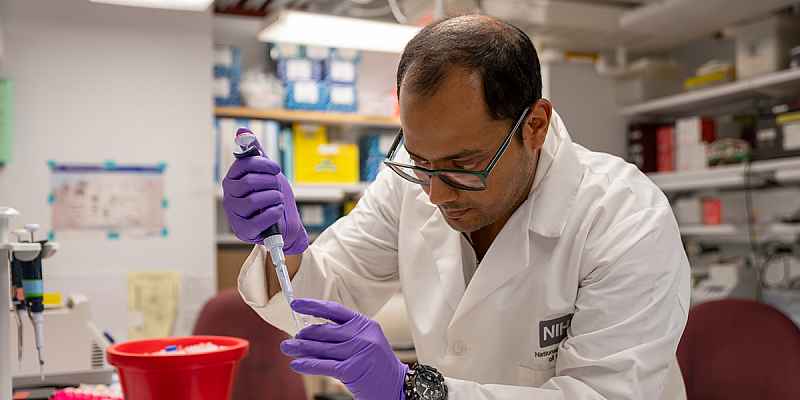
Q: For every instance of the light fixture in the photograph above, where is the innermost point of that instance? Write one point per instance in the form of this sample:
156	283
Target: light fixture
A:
187	5
310	29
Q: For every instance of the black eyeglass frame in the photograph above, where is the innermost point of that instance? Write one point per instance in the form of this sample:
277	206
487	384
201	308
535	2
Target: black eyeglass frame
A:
482	174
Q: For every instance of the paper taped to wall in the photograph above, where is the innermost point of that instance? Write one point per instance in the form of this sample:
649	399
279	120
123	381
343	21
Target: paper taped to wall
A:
108	197
152	303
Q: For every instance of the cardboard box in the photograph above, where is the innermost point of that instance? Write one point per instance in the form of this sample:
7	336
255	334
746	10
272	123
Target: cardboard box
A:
665	137
764	46
229	262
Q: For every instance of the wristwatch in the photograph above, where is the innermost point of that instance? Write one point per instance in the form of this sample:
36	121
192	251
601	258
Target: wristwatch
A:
424	383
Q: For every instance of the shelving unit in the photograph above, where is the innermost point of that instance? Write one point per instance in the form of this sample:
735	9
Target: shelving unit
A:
775	84
785	170
229	239
328	118
659	25
709	230
322	193
739	233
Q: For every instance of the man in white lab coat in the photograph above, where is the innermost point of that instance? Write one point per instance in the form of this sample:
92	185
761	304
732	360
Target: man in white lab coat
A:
531	267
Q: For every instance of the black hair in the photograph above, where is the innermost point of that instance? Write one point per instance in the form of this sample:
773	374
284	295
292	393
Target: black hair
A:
503	56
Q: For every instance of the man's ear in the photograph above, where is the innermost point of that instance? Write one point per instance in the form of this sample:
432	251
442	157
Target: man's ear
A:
535	126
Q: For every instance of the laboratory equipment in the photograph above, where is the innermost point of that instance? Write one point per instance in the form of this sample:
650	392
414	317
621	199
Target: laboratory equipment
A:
33	288
75	351
146	375
726	279
273	240
28	253
18	296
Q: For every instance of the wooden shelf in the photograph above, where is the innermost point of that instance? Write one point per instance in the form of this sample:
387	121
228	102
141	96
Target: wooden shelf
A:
229	239
775	84
322	192
328	118
727	177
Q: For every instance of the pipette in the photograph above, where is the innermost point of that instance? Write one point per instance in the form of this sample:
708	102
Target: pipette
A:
34	296
18	295
273	240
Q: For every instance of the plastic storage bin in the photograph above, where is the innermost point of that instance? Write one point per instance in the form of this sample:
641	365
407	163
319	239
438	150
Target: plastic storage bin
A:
317	217
299	69
342	98
373	150
227	76
317	161
764	46
306	95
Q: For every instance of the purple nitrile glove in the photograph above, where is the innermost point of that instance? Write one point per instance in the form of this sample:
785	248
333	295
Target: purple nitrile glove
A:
352	348
256	195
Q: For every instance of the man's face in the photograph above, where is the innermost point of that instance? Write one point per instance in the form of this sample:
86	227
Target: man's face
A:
453	129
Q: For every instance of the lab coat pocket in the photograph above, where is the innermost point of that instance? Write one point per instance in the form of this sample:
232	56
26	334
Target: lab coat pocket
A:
527	376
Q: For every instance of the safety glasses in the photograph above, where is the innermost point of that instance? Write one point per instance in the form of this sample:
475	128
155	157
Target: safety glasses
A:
457	178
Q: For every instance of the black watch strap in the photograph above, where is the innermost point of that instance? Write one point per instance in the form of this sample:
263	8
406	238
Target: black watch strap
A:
423	382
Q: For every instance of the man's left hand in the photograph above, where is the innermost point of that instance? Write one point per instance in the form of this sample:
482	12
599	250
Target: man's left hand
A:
351	348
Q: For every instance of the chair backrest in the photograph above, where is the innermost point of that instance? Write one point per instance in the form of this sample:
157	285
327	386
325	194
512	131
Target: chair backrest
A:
740	349
264	373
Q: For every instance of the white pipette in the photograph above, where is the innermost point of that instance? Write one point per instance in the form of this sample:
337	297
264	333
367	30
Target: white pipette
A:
273	240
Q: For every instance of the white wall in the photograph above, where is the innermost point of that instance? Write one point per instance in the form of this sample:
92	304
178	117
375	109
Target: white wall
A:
98	82
587	105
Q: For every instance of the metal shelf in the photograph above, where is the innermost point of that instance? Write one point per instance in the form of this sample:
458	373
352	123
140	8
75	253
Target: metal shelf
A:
775	84
709	230
661	25
328	118
739	233
785	170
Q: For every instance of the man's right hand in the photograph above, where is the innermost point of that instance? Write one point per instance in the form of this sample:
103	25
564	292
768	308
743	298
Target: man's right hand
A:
256	195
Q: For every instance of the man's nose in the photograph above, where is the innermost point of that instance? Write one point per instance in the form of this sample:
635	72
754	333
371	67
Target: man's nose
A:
441	193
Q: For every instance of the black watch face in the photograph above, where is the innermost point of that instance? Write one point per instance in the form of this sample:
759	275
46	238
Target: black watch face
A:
429	385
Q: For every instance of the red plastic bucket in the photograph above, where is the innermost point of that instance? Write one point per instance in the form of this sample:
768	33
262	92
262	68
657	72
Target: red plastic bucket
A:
198	376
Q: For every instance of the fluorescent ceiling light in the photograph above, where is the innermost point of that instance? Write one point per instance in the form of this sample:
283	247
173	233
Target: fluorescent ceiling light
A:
189	5
340	32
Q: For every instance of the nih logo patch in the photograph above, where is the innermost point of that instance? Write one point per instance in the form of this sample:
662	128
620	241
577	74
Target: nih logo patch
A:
553	331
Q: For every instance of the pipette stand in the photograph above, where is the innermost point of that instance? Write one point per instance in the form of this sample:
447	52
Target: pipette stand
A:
24	251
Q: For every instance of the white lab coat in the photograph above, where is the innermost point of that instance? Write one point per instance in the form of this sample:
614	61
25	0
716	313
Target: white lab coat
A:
595	242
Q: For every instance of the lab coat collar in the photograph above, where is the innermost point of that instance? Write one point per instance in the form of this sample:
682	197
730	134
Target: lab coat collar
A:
555	186
444	244
545	212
